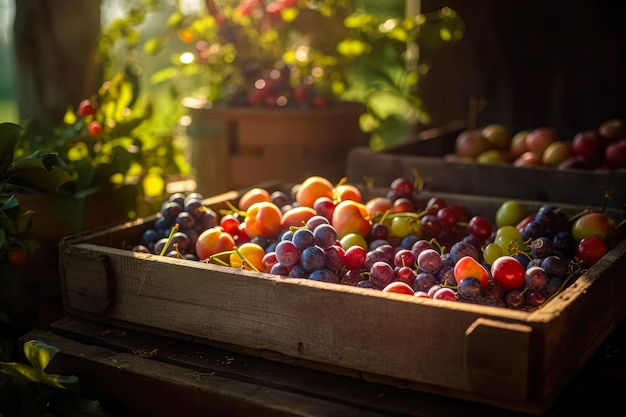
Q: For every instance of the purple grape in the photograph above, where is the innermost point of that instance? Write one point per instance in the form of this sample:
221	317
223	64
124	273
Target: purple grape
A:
423	281
303	238
535	298
445	275
541	247
379	231
405	274
315	221
389	251
514	299
555	265
565	243
381	274
492	301
287	253
279	269
429	260
469	289
375	244
185	220
374	256
536	278
461	249
366	283
533	230
335	258
325	236
298	271
324	275
408	241
419	246
352	277
404	257
312	258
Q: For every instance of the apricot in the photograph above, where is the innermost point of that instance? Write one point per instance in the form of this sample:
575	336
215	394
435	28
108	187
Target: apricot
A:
351	217
253	195
296	216
263	219
347	192
313	188
213	240
378	205
252	252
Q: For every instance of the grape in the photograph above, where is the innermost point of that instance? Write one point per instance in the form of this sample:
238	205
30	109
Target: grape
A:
287	253
389	251
375	244
430	226
374	256
547	216
536	278
280	198
408	241
419	246
303	238
429	261
381	274
193	206
286	235
298	271
469	289
555	265
553	285
269	260
324	275
355	257
312	258
533	230
432	290
335	258
379	231
205	220
366	283
462	249
445	294
325	235
352	277
315	221
541	247
404	257
565	243
263	242
405	274
185	220
149	237
279	269
535	298
401	226
514	299
492	301
423	281
480	227
447	217
491	252
445	275
178	198
402	187
159	245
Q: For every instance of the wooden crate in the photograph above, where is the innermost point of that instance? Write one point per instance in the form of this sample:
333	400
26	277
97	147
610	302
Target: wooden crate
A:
425	155
502	357
234	148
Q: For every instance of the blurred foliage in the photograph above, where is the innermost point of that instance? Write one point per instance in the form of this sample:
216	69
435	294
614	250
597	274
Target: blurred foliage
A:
26	389
126	156
308	53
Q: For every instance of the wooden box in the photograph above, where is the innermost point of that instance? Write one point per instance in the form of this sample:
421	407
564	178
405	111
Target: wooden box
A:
233	148
507	358
425	154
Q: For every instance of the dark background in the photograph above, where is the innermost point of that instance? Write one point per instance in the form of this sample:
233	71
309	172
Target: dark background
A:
534	63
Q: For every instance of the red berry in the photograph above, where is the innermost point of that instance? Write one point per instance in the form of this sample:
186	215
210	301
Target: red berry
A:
508	272
590	249
86	108
95	129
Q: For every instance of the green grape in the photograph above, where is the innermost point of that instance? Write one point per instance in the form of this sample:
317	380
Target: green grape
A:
400	226
510	213
491	252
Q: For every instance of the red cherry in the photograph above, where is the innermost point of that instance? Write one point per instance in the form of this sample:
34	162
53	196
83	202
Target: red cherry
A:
94	129
508	272
480	227
590	249
87	108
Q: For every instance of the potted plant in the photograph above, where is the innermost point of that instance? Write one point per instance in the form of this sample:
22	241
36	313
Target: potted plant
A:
235	61
41	171
118	161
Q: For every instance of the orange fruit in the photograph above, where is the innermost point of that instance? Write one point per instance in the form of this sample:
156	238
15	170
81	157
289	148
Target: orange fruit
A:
312	188
254	195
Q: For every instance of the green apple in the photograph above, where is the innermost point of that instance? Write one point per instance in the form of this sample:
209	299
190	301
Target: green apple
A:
556	152
590	224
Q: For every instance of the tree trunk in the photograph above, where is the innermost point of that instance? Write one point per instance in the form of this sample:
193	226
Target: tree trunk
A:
56	42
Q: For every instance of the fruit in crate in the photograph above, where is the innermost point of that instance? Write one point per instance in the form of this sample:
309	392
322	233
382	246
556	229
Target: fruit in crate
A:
399	242
598	148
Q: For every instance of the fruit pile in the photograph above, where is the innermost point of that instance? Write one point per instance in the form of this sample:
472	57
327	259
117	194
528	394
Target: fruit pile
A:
603	148
401	242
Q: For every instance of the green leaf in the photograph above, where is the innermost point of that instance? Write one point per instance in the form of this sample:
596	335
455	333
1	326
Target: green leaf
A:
9	135
24	373
39	354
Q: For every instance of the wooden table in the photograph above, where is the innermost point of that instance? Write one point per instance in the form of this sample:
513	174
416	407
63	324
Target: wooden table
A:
137	374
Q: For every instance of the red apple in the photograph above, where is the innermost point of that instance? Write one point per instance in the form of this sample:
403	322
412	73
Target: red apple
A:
615	154
471	143
539	139
589	146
